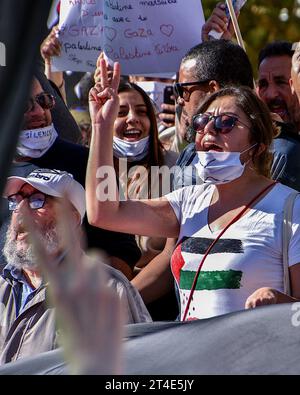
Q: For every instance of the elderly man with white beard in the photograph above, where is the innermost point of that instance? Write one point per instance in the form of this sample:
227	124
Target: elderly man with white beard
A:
27	321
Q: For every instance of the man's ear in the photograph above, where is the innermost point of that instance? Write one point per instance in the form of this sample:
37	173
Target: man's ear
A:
214	86
256	88
77	217
291	85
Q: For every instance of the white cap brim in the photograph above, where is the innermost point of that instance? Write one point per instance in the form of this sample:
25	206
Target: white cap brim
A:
15	183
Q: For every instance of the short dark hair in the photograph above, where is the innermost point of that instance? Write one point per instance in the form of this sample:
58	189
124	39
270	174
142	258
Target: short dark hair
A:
275	48
222	61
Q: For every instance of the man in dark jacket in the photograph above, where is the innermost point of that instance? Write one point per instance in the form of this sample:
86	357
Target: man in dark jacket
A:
219	63
274	73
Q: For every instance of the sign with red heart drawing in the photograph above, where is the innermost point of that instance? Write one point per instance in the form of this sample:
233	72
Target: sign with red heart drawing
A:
145	36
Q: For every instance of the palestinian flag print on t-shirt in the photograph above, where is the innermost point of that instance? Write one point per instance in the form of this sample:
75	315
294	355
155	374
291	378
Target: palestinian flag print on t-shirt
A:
216	273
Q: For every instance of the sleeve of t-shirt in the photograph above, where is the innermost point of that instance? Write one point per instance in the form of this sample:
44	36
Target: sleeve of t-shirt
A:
184	201
294	247
175	199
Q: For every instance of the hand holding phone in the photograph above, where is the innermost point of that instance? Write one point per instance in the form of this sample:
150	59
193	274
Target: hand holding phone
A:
169	95
167	116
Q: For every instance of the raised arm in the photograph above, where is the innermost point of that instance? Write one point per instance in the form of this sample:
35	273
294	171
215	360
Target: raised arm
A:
50	47
104	209
219	22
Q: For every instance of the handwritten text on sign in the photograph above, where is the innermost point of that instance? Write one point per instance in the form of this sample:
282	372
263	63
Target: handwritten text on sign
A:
148	36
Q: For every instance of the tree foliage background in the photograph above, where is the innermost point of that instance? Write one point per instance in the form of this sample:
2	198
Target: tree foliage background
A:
263	21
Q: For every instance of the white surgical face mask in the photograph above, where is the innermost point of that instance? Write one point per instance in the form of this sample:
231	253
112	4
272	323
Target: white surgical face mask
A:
33	143
219	167
132	150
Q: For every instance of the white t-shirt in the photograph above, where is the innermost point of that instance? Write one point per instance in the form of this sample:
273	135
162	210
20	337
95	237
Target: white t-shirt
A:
247	257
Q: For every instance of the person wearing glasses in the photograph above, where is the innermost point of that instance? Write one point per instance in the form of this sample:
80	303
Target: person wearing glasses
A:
238	207
204	69
41	146
273	87
27	319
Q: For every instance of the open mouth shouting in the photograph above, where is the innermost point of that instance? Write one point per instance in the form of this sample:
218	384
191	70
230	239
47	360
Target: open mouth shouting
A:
132	135
209	146
278	106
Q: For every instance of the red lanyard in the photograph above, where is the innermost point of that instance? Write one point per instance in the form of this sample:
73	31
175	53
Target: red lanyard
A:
236	218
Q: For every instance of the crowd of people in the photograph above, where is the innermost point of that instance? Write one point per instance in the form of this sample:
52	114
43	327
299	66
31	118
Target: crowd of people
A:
208	244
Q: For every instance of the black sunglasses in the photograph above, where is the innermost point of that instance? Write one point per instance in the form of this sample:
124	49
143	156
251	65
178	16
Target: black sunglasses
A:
35	200
45	100
184	94
223	123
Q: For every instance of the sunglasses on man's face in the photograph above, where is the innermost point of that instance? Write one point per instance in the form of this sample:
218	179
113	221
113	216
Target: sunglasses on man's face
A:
185	94
44	100
223	123
35	200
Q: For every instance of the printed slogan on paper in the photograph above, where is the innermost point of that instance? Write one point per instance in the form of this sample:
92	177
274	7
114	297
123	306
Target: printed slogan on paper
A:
148	36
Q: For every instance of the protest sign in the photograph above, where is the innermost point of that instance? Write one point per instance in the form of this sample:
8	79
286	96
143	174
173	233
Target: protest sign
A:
53	17
155	91
149	36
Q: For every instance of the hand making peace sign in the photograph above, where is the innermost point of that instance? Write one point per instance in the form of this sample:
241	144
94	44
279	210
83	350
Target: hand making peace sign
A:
103	97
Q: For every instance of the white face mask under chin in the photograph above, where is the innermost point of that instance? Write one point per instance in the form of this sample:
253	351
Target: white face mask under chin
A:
33	143
132	150
219	167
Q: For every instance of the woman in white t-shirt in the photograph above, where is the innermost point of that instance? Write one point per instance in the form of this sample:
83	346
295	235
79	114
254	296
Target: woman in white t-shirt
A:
238	206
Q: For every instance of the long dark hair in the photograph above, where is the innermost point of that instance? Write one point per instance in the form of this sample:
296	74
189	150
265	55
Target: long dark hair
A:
155	156
155	153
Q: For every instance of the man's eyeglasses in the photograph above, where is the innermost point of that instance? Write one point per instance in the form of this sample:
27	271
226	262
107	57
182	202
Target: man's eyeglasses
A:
35	201
45	100
223	123
185	94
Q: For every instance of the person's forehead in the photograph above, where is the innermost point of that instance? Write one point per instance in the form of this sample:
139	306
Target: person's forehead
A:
27	188
187	71
36	87
296	61
225	104
131	97
275	66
